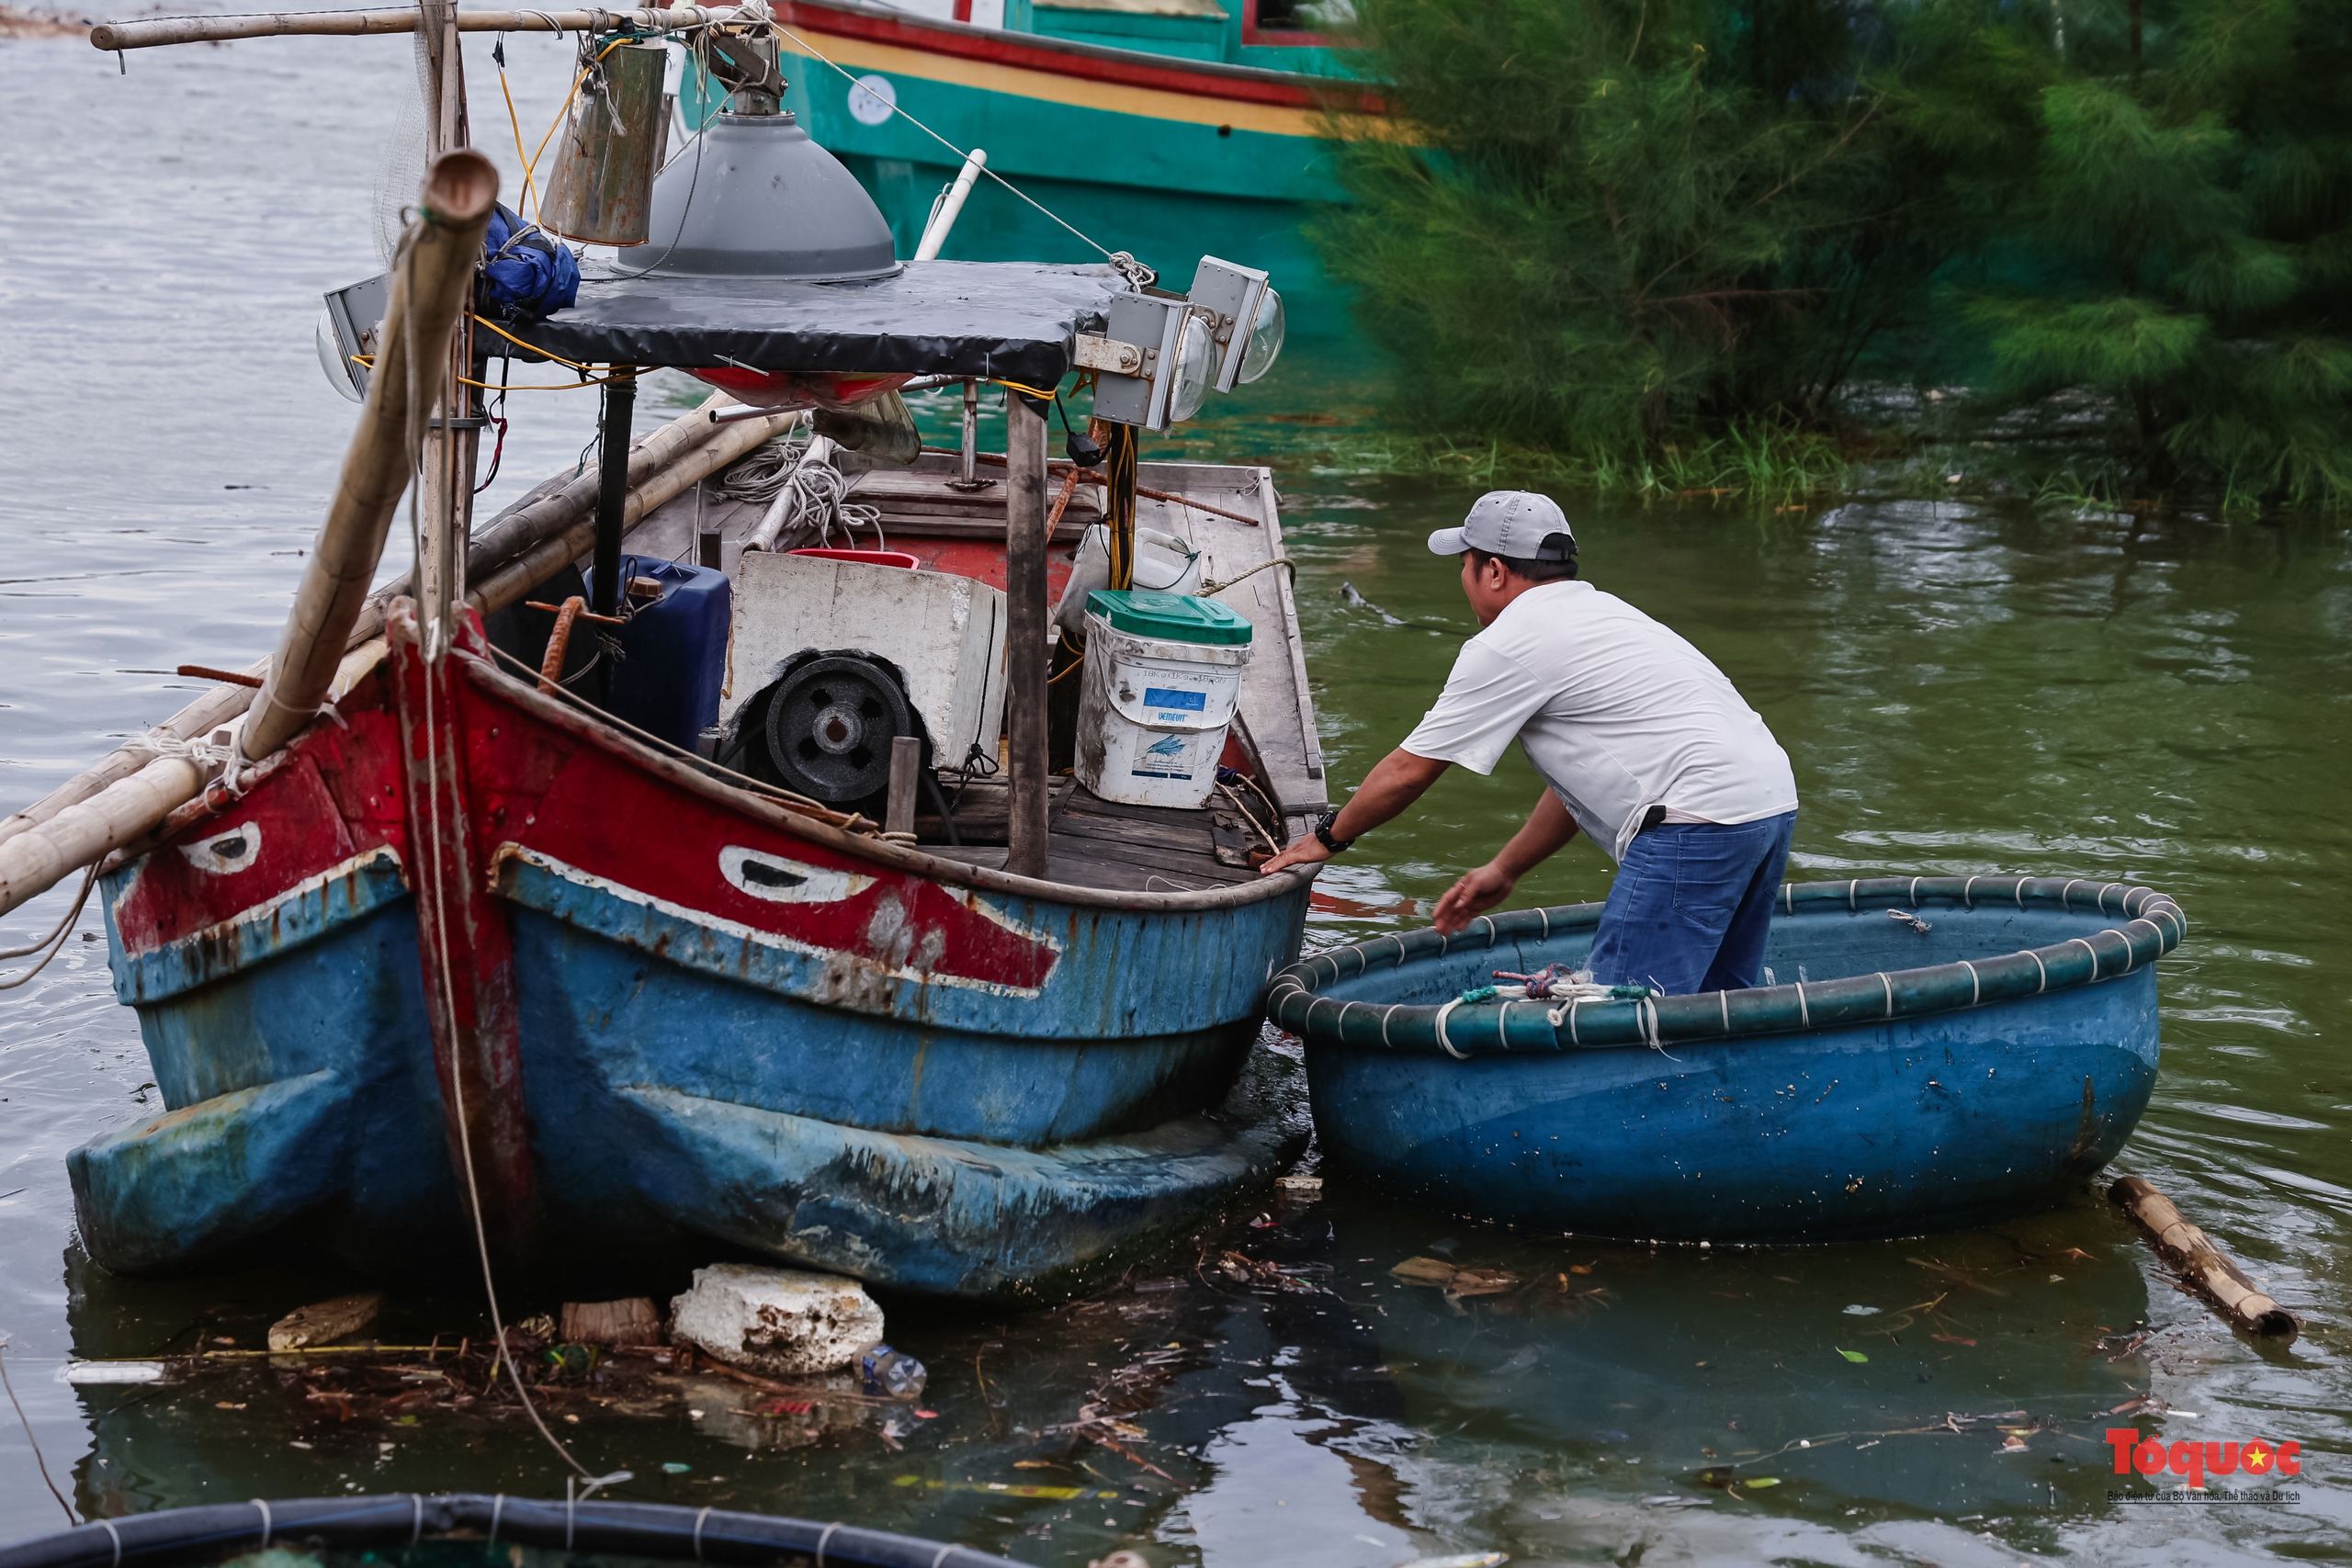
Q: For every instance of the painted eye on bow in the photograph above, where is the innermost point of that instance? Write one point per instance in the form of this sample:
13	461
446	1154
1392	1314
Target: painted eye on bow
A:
232	850
776	880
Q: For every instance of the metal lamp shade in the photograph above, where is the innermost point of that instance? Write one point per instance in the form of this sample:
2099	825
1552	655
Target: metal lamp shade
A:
757	199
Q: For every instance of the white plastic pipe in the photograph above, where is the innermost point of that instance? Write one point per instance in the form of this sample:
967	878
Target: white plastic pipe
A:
934	233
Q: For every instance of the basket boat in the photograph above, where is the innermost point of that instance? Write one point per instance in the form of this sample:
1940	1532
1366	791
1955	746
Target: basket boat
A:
1927	1054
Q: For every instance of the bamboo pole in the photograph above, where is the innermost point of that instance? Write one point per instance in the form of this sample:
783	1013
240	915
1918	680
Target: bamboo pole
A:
2202	1265
542	533
436	275
114	37
430	288
39	859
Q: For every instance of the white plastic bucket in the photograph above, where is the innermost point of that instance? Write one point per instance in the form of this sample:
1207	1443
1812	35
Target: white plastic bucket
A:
1152	716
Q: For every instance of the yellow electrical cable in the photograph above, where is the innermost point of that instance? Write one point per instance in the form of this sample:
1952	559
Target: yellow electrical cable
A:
566	386
1046	393
370	361
535	348
517	121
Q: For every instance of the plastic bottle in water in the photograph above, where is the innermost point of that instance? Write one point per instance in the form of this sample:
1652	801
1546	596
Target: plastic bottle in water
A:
891	1372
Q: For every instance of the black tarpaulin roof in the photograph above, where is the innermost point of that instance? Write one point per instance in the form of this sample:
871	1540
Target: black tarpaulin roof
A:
1011	321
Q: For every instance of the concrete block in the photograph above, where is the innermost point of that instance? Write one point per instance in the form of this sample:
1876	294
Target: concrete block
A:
775	1321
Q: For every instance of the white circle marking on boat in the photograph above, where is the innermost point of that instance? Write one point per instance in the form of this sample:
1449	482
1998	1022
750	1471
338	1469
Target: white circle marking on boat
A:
871	99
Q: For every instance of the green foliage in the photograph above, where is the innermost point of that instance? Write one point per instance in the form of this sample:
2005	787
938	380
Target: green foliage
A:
2189	204
1622	226
1634	217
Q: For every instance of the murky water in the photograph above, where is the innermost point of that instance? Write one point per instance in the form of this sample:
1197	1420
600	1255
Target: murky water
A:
1964	690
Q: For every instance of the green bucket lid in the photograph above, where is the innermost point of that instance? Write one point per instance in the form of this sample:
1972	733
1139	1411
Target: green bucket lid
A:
1171	617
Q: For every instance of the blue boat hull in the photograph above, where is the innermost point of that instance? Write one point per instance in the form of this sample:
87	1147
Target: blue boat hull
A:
1921	1119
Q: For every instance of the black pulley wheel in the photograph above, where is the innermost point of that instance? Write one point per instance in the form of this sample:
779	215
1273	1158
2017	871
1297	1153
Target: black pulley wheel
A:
829	724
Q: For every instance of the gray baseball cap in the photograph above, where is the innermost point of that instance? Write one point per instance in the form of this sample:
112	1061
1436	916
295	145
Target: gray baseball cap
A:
1511	523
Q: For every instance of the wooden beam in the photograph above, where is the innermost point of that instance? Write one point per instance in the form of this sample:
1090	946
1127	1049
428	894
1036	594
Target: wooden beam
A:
1026	609
116	36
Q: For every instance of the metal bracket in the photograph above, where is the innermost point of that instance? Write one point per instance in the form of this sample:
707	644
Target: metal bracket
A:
1093	353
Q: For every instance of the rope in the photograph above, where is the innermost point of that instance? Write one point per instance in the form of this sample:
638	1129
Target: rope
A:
535	348
808	500
1212	587
1227	790
759	474
1444	1042
58	929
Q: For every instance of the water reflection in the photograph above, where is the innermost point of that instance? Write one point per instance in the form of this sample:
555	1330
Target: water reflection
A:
1964	689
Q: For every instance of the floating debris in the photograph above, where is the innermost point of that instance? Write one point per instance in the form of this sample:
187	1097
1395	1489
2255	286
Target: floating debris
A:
85	1373
634	1321
323	1323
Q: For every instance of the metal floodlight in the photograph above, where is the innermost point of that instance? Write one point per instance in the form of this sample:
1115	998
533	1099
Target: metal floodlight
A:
347	332
1246	318
1154	365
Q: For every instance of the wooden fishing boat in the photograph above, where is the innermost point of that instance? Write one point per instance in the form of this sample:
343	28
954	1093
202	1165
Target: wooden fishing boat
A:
477	934
1926	1053
702	1009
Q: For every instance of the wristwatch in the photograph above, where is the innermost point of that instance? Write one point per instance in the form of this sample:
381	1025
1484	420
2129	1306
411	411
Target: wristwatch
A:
1323	833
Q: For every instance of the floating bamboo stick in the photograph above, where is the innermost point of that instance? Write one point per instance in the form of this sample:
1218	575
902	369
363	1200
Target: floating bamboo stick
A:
114	37
2203	1264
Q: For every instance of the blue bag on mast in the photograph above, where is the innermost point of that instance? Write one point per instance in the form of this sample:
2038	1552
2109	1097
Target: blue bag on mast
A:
526	272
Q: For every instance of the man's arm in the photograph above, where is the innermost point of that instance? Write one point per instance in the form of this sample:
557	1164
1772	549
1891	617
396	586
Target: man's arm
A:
1548	827
1399	780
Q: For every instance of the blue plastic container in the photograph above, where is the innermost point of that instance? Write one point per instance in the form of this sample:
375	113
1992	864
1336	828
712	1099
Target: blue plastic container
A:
673	651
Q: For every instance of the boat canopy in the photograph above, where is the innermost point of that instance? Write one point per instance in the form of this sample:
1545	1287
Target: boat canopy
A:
998	321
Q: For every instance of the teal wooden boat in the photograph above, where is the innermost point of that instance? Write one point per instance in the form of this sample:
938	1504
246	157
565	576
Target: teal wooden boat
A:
1192	122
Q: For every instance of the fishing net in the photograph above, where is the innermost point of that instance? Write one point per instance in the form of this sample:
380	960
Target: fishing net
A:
402	173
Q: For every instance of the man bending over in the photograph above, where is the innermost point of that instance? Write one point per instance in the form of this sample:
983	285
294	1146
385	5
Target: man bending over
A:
1643	746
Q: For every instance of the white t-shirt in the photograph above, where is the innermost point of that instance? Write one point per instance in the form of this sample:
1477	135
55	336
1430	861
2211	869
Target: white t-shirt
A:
1617	713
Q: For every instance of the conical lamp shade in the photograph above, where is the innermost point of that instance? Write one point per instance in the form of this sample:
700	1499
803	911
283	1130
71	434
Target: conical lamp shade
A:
757	199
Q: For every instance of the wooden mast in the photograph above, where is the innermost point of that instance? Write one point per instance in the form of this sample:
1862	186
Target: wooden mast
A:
452	442
465	948
1025	647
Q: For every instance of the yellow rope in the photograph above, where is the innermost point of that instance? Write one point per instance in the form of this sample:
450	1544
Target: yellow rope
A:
1047	392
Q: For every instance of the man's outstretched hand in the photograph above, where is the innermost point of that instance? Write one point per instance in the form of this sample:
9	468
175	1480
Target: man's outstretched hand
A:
1473	895
1305	850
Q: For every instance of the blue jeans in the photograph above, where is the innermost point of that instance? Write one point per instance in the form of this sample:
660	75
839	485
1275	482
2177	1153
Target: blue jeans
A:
1692	906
